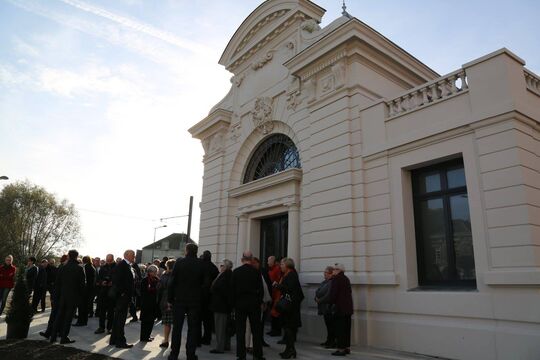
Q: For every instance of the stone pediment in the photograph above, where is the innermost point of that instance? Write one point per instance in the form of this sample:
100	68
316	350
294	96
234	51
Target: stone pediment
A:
265	23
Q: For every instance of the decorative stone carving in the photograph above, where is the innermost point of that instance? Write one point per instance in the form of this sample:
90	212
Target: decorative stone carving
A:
327	84
338	71
311	89
262	114
259	64
237	79
310	26
235	131
293	100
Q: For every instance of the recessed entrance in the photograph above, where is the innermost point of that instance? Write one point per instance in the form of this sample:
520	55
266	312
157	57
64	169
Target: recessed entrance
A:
274	237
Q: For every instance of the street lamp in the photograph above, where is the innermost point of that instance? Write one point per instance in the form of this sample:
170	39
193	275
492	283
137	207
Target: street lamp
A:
3	177
154	243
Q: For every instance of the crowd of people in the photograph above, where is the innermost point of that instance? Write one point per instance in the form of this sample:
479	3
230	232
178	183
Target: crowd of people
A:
224	301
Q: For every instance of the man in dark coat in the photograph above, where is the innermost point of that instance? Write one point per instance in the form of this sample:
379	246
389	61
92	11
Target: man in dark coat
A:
31	273
341	297
86	305
40	287
185	295
70	283
51	278
105	304
210	273
136	299
123	290
54	301
246	297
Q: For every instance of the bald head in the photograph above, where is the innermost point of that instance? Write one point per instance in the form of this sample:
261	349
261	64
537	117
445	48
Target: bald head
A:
247	257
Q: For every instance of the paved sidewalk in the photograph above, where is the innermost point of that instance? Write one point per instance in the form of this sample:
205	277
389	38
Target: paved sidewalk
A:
87	340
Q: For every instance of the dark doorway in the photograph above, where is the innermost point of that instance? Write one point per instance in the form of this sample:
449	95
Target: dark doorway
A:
274	237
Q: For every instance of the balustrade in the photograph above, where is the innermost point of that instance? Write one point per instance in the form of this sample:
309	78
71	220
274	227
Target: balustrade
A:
433	91
532	81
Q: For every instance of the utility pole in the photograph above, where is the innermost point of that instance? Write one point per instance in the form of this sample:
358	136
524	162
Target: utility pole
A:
190	216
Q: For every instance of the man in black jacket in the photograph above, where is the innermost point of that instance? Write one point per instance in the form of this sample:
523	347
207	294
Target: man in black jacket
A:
210	273
86	305
247	296
184	295
40	287
70	283
51	278
123	289
31	273
105	304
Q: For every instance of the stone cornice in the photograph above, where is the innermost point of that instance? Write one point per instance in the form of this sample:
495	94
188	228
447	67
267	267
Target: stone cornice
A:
267	182
355	29
217	120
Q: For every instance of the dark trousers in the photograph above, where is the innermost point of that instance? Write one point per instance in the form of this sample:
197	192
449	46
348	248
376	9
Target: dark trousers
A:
82	309
52	318
4	292
290	338
342	325
90	295
39	297
194	329
208	323
275	325
62	321
254	315
330	329
106	309
118	336
148	315
133	307
146	328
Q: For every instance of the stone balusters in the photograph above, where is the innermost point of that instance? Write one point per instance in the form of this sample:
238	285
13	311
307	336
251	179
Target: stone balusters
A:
532	81
430	92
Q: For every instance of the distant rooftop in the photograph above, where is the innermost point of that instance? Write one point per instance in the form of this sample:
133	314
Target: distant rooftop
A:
176	242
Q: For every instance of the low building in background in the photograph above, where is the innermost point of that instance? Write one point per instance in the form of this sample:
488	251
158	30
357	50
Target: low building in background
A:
171	246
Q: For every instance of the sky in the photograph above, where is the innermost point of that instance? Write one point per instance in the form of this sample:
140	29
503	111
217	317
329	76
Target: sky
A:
96	96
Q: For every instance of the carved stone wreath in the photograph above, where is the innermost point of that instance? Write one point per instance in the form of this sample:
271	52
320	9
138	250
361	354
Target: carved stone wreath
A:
262	114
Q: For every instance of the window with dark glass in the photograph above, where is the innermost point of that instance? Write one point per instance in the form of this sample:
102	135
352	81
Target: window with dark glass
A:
443	226
275	154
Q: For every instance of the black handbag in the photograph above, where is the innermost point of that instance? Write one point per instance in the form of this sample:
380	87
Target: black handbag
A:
284	304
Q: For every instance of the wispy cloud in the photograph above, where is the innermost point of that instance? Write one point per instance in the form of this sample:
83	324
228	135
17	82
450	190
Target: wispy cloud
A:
138	26
138	37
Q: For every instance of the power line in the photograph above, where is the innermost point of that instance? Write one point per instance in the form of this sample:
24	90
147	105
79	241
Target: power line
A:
116	215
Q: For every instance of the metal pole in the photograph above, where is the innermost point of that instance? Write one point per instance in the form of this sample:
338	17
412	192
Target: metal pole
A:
189	218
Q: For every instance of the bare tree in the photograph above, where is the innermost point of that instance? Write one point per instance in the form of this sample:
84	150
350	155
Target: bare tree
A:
33	222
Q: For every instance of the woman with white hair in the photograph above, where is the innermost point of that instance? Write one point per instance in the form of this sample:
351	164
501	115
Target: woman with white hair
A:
149	305
341	297
221	306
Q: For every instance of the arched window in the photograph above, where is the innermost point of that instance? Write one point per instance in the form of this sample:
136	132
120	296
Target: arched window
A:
277	153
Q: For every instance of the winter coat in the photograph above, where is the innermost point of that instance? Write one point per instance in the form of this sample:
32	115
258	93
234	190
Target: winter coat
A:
7	276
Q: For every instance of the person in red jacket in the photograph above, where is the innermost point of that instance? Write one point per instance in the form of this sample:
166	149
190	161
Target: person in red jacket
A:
7	280
274	273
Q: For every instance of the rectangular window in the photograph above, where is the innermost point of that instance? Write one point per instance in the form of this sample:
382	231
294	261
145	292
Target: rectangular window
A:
443	226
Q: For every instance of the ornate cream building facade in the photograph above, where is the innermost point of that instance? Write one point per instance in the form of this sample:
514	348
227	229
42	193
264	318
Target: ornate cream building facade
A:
336	145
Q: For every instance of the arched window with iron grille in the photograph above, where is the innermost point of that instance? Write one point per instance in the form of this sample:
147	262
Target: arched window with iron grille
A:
275	154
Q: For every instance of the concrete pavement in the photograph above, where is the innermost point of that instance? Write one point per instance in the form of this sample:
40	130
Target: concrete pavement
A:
87	340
